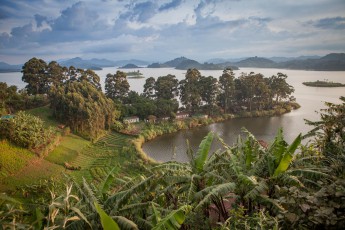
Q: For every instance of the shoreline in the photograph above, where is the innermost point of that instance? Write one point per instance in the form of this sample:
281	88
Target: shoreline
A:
154	130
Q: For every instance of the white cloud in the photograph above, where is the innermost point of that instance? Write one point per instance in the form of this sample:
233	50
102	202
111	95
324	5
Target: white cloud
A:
160	29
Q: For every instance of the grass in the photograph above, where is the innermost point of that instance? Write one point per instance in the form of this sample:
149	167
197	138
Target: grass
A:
112	151
12	159
45	113
68	149
19	167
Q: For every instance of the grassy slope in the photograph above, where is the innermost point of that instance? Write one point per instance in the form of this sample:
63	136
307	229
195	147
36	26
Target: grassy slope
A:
96	160
45	114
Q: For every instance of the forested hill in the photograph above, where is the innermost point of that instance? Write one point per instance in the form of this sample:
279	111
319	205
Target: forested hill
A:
185	63
330	62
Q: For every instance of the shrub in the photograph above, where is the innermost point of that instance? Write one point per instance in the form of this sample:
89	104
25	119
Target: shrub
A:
117	126
26	130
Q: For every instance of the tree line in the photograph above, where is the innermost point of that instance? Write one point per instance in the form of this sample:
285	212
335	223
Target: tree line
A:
199	94
76	96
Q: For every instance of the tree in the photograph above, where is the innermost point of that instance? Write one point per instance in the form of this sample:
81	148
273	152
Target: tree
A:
149	87
166	107
56	74
116	86
166	87
227	89
279	87
209	92
82	107
35	74
138	105
189	90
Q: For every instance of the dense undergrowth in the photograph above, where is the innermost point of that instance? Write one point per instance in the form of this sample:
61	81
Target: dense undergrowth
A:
248	185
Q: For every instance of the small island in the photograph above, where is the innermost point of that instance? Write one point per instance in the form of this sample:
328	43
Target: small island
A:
134	74
129	66
325	83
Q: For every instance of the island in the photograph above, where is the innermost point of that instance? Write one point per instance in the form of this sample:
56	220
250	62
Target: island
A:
323	84
129	66
134	74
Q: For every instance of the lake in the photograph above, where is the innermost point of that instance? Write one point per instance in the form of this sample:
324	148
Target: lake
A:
170	146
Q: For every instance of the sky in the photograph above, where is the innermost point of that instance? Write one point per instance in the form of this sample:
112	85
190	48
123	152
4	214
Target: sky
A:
163	30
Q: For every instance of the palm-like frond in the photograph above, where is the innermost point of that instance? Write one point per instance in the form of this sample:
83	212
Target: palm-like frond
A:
125	223
205	196
174	219
287	156
202	153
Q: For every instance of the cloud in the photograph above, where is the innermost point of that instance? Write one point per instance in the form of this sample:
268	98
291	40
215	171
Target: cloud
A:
76	18
140	12
337	23
40	19
170	5
148	28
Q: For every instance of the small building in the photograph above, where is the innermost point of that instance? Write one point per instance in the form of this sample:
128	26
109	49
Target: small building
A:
182	115
7	117
132	119
151	119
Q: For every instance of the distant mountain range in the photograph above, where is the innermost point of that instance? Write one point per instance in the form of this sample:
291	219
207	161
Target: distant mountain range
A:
330	62
185	63
97	64
7	68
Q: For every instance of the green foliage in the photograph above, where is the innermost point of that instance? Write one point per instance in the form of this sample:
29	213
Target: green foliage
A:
12	158
83	108
174	219
26	130
12	101
202	153
107	222
116	86
34	73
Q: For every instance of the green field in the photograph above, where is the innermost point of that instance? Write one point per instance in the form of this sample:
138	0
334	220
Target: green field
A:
113	151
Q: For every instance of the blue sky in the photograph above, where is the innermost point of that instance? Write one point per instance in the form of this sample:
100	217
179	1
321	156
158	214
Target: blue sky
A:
163	30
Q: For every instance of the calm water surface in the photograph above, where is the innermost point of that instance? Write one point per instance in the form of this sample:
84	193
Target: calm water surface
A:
170	146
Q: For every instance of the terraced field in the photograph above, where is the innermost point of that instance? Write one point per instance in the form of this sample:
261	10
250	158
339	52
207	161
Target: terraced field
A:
112	151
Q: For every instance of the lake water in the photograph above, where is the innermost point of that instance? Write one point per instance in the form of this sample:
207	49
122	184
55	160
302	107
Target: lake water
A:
165	147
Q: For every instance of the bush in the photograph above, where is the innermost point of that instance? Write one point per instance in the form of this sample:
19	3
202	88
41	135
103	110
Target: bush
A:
117	126
25	130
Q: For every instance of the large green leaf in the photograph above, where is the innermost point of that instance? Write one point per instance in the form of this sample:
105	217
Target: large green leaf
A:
174	219
107	222
109	179
125	223
278	147
202	153
217	190
287	157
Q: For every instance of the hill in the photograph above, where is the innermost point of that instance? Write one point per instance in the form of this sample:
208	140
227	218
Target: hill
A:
189	64
129	66
330	62
95	64
184	63
131	61
258	62
7	68
158	65
176	62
